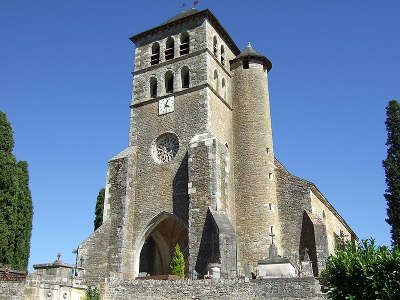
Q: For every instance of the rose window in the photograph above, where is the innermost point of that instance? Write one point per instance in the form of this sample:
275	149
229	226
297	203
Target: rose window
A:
165	147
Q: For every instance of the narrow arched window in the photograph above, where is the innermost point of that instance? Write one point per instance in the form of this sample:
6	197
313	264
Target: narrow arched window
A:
153	87
155	54
222	55
169	82
169	49
185	77
184	48
215	46
223	88
216	80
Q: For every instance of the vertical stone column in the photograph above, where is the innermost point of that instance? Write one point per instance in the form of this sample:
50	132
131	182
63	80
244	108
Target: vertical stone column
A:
253	160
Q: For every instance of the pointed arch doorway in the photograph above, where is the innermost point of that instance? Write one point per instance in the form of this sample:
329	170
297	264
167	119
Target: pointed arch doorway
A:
157	244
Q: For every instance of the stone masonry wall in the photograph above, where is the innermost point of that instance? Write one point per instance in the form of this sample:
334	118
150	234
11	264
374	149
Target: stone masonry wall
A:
273	289
295	201
118	289
334	223
94	251
294	198
12	290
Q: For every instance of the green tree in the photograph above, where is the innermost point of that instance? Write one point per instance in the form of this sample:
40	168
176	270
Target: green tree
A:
363	271
98	212
392	169
15	203
178	263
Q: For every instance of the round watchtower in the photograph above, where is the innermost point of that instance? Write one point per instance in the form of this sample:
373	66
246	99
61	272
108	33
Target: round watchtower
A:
253	155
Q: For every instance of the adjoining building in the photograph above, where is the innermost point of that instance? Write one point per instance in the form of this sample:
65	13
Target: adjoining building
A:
200	168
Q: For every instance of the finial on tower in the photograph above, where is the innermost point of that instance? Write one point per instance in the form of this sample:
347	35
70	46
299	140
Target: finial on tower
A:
248	44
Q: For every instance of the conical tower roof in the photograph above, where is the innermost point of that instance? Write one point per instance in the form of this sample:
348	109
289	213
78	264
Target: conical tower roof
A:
249	52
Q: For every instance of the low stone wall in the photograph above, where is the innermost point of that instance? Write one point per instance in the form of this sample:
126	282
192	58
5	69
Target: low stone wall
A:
274	289
117	289
37	288
12	290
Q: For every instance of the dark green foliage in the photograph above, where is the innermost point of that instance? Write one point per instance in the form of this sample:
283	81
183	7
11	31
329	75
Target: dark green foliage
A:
363	271
6	134
15	203
92	293
178	263
392	169
98	219
25	214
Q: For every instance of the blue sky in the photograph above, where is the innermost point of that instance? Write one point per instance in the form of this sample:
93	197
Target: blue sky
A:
66	85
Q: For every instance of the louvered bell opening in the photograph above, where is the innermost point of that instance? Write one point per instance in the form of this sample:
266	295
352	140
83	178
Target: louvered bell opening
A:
184	48
169	53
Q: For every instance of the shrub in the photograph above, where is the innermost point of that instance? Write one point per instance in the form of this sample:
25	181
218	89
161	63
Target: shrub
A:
92	293
363	271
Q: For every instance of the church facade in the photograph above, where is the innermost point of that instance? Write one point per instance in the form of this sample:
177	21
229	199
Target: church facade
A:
200	170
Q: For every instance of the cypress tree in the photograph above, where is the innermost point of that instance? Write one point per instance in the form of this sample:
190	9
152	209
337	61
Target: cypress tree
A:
25	212
98	212
15	203
8	191
392	170
178	263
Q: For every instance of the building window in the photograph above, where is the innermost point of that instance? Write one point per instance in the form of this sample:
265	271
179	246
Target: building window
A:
216	80
270	206
270	175
155	54
169	82
165	147
184	48
222	55
169	49
215	46
185	77
223	88
271	229
153	87
245	64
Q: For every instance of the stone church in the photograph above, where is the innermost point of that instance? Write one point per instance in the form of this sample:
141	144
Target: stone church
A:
200	168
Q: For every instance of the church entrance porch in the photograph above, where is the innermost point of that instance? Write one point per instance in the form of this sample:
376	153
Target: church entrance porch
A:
159	240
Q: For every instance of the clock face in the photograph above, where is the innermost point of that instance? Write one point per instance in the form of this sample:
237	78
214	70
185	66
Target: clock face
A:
166	105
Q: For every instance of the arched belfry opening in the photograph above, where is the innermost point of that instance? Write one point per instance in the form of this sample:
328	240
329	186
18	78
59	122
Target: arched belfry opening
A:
159	239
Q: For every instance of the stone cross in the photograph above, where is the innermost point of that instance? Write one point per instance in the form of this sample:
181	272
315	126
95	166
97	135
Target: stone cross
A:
272	236
58	256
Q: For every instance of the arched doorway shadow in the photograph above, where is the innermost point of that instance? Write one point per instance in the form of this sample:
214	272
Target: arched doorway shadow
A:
307	241
155	245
